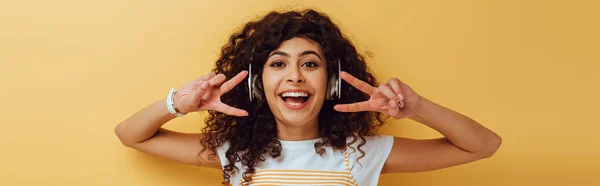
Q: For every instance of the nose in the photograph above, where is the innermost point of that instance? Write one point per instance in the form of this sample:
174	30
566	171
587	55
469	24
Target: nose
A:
295	76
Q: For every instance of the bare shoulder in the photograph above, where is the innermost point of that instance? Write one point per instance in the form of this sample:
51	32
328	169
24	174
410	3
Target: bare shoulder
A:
180	147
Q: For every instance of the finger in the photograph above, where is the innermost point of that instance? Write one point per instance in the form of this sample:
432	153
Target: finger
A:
229	110
393	108
227	86
204	78
208	76
388	92
353	107
360	85
198	81
217	80
395	83
201	89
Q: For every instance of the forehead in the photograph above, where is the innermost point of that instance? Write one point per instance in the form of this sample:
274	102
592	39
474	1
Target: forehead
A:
297	45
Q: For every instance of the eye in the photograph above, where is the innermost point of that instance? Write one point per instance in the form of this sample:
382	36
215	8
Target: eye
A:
310	64
277	64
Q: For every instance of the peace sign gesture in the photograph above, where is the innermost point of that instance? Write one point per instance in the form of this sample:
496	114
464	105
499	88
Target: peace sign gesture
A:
205	93
393	98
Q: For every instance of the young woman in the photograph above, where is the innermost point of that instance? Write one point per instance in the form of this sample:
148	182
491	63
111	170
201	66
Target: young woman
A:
292	121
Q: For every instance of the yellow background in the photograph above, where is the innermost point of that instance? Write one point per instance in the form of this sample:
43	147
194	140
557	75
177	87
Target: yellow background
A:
71	70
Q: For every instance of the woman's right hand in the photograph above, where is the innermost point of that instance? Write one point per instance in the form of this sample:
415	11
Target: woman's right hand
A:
205	93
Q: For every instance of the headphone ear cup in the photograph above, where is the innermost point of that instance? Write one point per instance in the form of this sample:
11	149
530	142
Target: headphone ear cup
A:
339	81
334	84
330	88
255	88
250	81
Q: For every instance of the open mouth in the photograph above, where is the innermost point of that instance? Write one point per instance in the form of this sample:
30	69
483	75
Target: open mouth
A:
295	99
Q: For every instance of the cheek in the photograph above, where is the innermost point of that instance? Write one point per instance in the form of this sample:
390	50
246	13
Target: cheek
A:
320	80
269	84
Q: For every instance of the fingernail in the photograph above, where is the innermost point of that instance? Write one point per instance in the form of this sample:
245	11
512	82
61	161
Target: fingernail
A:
401	103
401	97
204	84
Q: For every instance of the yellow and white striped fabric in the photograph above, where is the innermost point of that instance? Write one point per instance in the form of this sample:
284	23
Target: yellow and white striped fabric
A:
301	177
264	177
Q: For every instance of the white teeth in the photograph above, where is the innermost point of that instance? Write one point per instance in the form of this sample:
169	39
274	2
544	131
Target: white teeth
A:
294	94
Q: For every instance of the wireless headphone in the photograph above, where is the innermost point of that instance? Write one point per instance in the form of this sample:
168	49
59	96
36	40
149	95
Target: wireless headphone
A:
334	84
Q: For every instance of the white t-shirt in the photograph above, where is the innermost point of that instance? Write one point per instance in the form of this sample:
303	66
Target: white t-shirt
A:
299	164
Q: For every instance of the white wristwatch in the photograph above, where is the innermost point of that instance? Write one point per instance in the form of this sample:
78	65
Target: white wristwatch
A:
171	102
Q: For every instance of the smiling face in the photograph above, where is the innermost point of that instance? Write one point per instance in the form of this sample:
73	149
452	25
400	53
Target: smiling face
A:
294	81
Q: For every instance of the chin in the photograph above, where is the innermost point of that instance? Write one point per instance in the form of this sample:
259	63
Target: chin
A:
296	119
300	117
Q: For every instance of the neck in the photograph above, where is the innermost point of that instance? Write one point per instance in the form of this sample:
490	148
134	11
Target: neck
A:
298	131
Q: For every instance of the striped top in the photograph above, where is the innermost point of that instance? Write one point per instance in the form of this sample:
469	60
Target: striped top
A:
299	164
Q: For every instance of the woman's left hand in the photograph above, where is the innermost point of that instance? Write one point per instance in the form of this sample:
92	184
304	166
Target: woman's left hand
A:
393	98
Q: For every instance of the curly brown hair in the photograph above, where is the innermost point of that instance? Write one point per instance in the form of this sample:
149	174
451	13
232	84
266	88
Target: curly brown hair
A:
253	137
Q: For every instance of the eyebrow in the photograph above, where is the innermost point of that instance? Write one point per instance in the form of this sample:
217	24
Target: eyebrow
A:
301	54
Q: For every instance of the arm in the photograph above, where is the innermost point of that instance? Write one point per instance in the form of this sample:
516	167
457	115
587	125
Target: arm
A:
465	141
142	131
